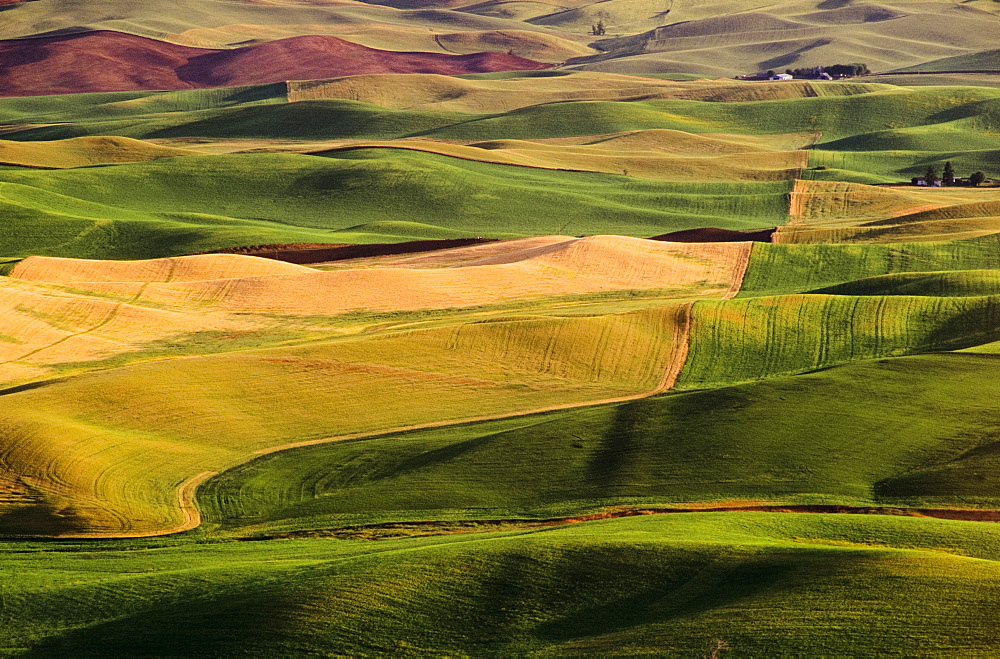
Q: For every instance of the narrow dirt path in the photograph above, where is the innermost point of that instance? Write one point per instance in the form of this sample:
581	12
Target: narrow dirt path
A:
455	527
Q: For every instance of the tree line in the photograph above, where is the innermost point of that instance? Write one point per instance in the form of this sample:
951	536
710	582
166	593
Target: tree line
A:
948	177
834	70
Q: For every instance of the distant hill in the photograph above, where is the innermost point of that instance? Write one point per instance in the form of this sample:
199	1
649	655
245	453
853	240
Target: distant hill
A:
642	36
114	61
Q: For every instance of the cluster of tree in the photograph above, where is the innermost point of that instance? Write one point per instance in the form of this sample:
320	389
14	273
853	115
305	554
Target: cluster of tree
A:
833	71
599	29
948	177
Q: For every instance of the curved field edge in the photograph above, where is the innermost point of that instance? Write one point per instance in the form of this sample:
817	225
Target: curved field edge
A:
58	428
915	433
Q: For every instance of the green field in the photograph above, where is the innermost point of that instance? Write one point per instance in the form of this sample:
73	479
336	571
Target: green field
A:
180	114
548	446
764	584
729	444
197	203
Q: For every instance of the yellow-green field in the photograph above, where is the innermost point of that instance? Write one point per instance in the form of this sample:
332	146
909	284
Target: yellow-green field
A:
527	325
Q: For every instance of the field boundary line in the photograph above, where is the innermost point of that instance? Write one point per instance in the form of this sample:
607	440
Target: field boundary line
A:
186	491
952	514
796	203
740	272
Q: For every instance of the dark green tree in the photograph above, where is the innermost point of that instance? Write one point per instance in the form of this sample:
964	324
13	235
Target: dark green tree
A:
931	176
977	178
949	174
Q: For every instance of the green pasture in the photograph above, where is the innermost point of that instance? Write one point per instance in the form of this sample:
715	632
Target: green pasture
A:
191	204
968	283
750	339
801	268
914	431
209	113
764	584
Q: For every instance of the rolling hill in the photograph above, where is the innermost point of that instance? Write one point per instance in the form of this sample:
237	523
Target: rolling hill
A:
761	583
533	431
643	36
113	61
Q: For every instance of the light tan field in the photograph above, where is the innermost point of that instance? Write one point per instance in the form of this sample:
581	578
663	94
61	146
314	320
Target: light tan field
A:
651	161
177	269
826	211
84	152
826	201
715	38
522	326
436	92
560	266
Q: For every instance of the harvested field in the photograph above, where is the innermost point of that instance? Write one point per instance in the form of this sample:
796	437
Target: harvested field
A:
568	267
176	269
84	152
825	201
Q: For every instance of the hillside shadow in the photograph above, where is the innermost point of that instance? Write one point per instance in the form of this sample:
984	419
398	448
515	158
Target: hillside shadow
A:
610	465
787	59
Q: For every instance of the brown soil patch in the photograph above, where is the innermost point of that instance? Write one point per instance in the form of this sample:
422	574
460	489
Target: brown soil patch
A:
713	235
316	253
103	61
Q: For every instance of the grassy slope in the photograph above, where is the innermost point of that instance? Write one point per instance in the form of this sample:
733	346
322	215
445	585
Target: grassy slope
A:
735	443
203	202
776	329
751	339
96	465
766	584
778	269
836	116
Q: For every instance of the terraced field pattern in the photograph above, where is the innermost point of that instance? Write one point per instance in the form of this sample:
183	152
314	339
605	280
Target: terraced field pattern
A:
504	328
